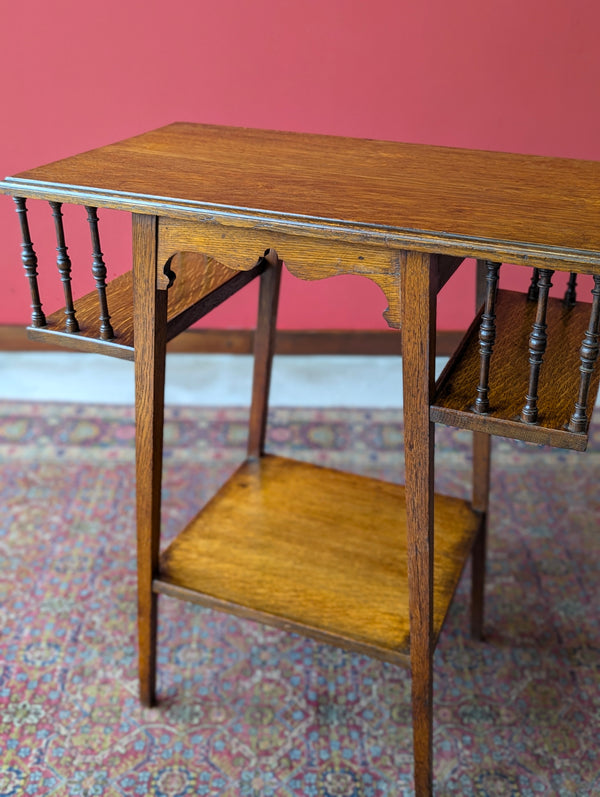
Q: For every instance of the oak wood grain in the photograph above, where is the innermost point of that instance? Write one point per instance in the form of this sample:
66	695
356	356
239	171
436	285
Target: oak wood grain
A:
306	257
482	451
150	316
499	206
419	288
317	550
264	347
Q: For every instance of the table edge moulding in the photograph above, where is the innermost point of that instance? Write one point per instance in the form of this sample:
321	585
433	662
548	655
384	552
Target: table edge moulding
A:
346	559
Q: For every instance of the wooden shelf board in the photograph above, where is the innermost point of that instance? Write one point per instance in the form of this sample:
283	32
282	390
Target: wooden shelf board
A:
200	285
119	294
509	375
315	551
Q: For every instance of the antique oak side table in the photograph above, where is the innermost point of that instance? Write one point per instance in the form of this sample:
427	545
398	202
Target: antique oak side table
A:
347	560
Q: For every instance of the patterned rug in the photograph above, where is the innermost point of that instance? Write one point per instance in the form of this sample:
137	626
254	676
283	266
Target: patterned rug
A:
251	711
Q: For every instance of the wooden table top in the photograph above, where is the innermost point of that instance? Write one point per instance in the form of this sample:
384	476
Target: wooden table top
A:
490	204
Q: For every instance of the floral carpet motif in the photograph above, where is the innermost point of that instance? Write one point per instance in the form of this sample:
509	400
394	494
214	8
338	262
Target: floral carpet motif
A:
255	712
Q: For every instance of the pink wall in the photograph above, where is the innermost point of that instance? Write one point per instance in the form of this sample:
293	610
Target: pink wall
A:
510	75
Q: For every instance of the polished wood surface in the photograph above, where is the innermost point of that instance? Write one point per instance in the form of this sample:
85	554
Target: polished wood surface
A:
419	289
538	340
30	264
320	550
264	348
99	271
480	494
534	209
150	319
63	262
559	376
487	337
588	355
309	257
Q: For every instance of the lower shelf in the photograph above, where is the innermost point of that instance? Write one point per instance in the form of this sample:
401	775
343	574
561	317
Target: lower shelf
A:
315	551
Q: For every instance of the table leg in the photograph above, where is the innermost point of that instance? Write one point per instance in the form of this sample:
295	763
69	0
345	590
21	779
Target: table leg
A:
418	349
481	488
264	346
482	444
150	319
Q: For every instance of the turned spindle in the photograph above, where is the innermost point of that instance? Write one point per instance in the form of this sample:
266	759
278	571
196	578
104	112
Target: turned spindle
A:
570	297
537	347
99	272
63	261
588	355
532	293
487	338
30	262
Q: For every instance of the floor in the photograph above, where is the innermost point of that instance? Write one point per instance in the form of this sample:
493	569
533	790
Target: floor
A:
210	380
207	379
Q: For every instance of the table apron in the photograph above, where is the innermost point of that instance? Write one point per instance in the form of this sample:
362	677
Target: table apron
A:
309	258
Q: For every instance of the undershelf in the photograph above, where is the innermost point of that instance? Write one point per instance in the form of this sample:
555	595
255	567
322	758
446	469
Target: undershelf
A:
201	283
509	375
315	551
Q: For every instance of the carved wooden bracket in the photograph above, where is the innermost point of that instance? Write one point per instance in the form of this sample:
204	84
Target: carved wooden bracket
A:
307	258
